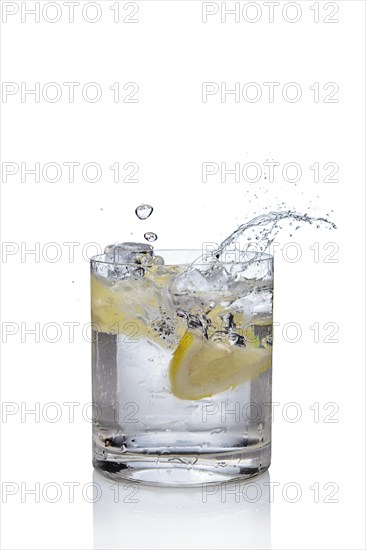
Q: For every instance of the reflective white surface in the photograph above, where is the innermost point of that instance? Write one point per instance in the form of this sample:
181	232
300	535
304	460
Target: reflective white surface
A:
231	515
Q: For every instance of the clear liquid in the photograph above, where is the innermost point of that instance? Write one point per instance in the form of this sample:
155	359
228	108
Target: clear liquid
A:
138	413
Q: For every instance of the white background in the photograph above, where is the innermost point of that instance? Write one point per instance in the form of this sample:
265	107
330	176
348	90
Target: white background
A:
169	133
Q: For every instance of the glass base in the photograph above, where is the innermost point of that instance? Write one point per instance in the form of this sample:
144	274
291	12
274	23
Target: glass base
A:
183	470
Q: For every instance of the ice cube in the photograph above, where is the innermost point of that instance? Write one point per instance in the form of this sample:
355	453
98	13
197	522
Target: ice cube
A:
244	305
202	279
217	277
191	280
118	256
257	302
251	270
128	252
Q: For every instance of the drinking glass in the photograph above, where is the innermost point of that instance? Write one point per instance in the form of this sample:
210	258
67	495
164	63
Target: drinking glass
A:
181	366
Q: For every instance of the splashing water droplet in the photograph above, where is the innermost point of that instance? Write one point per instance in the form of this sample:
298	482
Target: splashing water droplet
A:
144	211
149	236
266	227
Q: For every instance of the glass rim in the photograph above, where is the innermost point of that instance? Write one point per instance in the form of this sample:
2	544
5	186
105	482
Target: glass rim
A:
246	256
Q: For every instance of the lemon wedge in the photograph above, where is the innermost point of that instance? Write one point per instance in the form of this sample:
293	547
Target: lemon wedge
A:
201	368
113	311
131	308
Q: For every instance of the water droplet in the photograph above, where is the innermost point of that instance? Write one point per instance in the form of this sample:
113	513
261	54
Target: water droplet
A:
143	211
150	236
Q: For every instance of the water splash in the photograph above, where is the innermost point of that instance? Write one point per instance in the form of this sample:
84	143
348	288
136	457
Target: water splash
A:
144	211
151	237
258	234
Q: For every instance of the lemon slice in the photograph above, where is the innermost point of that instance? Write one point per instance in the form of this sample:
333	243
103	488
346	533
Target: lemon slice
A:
114	312
201	368
131	308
